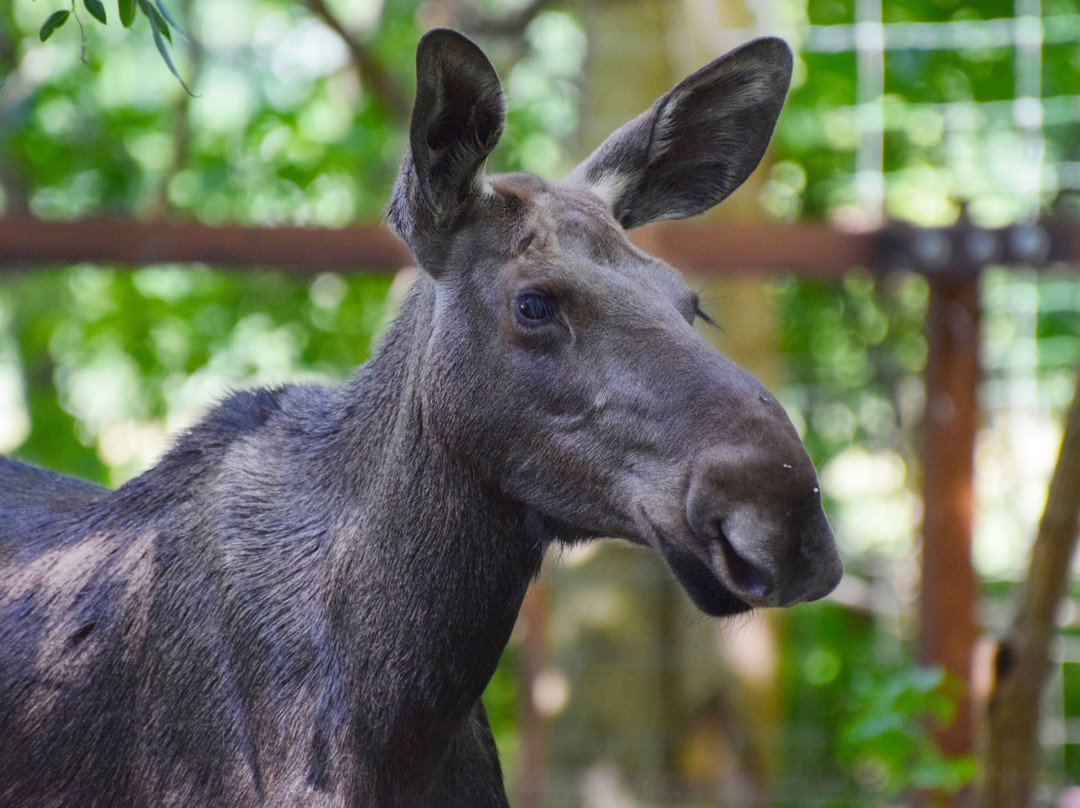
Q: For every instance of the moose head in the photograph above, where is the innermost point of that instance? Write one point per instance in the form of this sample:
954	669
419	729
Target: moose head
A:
563	364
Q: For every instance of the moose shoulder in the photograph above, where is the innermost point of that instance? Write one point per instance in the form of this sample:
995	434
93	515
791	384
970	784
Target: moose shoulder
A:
302	603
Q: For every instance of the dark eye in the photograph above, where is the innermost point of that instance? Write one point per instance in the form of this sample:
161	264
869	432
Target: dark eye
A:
535	308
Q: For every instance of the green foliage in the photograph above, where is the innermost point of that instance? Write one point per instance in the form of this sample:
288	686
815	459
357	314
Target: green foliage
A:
825	648
854	353
97	10
135	354
501	704
888	740
161	23
127	12
542	114
1071	704
849	346
55	21
159	27
952	135
859	714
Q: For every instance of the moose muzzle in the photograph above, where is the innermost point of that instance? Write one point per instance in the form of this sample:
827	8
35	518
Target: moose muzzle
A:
755	510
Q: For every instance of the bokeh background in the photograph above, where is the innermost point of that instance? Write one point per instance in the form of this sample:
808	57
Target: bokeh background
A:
613	692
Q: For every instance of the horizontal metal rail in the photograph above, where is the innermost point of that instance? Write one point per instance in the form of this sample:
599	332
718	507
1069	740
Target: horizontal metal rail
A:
706	248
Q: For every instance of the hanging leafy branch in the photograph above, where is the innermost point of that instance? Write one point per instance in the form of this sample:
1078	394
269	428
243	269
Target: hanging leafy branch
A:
162	24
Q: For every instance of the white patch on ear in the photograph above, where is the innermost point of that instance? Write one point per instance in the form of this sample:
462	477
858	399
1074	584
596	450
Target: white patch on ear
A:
610	187
665	129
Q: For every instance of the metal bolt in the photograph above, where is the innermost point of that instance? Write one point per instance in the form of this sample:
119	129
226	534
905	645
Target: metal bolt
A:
979	247
1028	244
930	249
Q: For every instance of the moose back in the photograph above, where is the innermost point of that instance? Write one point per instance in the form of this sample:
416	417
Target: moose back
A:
302	603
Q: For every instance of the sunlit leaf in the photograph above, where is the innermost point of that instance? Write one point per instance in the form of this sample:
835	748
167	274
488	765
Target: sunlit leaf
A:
168	60
172	20
127	12
96	9
160	26
56	20
159	21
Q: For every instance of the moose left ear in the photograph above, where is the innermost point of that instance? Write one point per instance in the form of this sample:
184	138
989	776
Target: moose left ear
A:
457	119
697	143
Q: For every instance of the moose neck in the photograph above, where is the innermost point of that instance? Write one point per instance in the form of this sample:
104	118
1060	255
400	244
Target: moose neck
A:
435	580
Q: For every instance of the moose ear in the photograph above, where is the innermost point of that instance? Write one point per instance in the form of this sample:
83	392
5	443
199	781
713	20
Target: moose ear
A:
456	121
697	143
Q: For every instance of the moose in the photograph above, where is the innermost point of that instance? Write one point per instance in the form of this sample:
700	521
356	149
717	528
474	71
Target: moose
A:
302	602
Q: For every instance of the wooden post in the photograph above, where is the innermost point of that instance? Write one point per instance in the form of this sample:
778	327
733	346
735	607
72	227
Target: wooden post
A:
947	610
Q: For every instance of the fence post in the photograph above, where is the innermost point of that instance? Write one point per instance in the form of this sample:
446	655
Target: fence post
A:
948	625
531	769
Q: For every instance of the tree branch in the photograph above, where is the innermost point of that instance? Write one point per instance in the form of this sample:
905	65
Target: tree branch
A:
1023	661
378	81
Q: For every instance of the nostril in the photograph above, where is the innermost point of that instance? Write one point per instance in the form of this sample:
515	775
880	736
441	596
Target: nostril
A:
747	577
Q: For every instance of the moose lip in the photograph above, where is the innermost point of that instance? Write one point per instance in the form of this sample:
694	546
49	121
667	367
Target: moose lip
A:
706	589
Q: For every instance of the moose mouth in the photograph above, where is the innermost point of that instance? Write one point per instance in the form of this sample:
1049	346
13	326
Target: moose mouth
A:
703	583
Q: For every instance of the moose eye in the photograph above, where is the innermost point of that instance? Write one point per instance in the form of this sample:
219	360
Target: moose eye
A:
535	308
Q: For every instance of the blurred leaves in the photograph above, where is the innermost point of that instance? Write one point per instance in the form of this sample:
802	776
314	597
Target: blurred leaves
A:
952	135
158	15
501	704
136	355
888	740
851	347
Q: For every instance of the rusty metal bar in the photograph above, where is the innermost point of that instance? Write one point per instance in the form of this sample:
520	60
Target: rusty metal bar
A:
730	248
531	769
948	623
759	249
31	241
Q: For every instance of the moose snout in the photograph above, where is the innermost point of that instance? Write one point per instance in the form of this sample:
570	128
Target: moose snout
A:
759	519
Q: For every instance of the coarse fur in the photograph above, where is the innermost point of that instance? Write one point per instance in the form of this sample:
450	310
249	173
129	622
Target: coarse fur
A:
302	602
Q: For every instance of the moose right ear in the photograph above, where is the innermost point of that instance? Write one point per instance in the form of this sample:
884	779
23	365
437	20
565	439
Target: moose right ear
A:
456	121
697	143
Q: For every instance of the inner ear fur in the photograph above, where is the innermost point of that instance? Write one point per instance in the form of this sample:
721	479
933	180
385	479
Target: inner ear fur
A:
457	119
697	143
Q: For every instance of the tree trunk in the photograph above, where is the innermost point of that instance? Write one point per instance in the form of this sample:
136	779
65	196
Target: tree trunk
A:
1023	663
